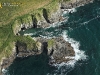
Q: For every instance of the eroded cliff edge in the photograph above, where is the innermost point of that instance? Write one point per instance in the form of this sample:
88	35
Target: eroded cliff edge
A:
45	17
57	48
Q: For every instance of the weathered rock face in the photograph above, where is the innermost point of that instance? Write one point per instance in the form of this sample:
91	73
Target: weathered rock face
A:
7	61
58	49
62	49
32	22
74	3
22	51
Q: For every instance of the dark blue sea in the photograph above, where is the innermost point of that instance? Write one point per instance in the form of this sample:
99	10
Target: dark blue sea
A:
82	29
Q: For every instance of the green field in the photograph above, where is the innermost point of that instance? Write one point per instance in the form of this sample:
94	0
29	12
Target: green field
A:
10	17
8	13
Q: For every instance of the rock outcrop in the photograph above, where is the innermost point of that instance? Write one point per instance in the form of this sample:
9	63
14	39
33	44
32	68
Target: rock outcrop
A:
74	3
55	48
7	61
32	22
22	51
58	49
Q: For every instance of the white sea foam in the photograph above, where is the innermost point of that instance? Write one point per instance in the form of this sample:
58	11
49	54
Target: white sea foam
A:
56	24
26	34
71	57
66	11
4	70
86	22
64	68
53	25
79	54
65	19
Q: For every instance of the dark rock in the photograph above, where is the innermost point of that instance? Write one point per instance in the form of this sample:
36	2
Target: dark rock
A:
45	50
58	50
74	4
62	49
45	15
22	51
34	20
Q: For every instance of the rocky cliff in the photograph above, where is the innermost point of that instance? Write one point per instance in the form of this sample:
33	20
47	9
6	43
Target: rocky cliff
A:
56	48
46	19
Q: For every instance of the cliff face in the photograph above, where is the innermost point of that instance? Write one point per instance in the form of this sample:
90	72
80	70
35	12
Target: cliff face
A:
23	51
31	21
45	19
7	61
56	48
74	3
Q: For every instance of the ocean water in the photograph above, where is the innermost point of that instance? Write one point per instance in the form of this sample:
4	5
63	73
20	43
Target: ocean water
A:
82	29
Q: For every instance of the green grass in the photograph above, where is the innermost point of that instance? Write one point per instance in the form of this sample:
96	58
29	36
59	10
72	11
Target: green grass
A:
51	42
7	40
10	19
31	44
38	14
8	13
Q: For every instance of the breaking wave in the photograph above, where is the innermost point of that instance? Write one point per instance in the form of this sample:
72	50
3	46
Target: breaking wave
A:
66	11
64	68
79	54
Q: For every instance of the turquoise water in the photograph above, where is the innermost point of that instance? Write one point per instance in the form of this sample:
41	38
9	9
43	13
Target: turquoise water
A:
84	27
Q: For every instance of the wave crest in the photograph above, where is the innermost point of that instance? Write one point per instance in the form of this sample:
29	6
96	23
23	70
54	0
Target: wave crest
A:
64	68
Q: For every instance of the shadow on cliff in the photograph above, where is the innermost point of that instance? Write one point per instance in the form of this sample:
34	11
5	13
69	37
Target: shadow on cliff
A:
37	64
34	20
20	47
45	50
31	64
45	15
23	27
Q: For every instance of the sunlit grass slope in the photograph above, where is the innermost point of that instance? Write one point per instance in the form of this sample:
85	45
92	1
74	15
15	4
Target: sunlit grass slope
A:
10	14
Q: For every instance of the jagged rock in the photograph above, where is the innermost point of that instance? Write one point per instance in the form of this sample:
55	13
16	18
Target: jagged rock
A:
58	48
62	49
22	51
58	51
74	3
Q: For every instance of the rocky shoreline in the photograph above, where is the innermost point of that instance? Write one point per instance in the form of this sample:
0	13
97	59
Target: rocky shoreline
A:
54	18
56	48
75	3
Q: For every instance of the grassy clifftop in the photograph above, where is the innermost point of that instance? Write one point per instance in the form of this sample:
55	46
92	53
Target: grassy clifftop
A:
8	13
10	16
